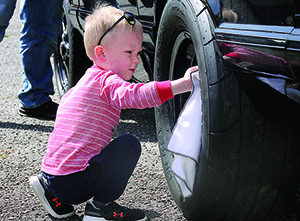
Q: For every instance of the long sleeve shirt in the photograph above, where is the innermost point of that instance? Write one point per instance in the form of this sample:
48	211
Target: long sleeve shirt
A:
88	115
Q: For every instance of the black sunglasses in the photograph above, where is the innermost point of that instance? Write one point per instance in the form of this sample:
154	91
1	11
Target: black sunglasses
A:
127	16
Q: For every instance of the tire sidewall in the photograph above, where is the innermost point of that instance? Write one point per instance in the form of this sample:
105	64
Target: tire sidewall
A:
76	61
179	16
60	63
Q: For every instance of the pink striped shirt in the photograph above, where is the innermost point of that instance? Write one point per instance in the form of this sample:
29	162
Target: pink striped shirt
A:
88	115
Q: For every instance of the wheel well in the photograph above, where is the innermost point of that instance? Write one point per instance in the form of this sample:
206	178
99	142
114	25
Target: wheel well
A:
159	7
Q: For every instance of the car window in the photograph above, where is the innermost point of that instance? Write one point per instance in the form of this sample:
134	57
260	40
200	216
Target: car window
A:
262	12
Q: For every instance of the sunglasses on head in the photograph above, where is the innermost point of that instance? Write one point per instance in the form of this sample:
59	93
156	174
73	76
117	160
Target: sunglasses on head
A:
127	16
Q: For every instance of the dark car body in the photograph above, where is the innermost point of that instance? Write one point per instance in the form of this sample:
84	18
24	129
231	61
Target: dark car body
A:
259	37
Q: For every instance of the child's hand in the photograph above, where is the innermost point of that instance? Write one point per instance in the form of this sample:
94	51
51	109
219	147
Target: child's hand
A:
189	71
187	77
184	84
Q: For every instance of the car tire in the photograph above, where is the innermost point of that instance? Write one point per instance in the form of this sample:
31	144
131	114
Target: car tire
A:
70	60
247	164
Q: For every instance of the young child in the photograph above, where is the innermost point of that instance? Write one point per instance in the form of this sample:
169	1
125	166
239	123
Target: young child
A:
82	162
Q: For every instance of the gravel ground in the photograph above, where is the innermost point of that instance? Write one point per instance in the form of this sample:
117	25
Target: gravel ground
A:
23	144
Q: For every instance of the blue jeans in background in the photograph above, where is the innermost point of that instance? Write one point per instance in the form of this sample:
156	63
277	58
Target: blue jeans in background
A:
41	20
7	8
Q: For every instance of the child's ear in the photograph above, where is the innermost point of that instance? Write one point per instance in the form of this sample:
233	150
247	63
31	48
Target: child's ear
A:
99	52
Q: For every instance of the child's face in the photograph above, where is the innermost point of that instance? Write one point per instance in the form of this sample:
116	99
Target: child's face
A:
122	53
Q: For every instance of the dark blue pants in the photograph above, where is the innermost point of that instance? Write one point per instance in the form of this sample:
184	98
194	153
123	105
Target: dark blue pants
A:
106	177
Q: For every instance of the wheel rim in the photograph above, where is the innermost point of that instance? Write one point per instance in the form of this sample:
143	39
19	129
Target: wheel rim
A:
183	56
62	58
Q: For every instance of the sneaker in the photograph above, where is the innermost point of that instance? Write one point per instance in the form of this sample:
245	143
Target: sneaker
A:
56	208
47	110
112	211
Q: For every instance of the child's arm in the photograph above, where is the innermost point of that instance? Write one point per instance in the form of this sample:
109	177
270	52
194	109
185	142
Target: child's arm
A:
183	84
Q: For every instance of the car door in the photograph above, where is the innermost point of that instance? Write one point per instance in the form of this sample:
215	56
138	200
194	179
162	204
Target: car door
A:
85	7
143	10
254	34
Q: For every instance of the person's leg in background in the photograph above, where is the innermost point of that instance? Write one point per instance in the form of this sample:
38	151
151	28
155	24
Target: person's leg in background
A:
7	8
41	20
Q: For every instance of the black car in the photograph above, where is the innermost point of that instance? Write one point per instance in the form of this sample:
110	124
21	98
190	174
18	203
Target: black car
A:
248	54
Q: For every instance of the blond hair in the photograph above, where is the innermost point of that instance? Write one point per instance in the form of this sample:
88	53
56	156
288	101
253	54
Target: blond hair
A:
99	21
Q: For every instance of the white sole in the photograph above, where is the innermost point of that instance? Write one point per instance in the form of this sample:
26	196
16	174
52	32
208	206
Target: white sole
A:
91	218
40	192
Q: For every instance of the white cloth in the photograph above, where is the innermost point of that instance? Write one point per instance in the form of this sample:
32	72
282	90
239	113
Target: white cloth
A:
185	141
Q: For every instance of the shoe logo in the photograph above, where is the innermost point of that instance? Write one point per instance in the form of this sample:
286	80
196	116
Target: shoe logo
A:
115	214
56	202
